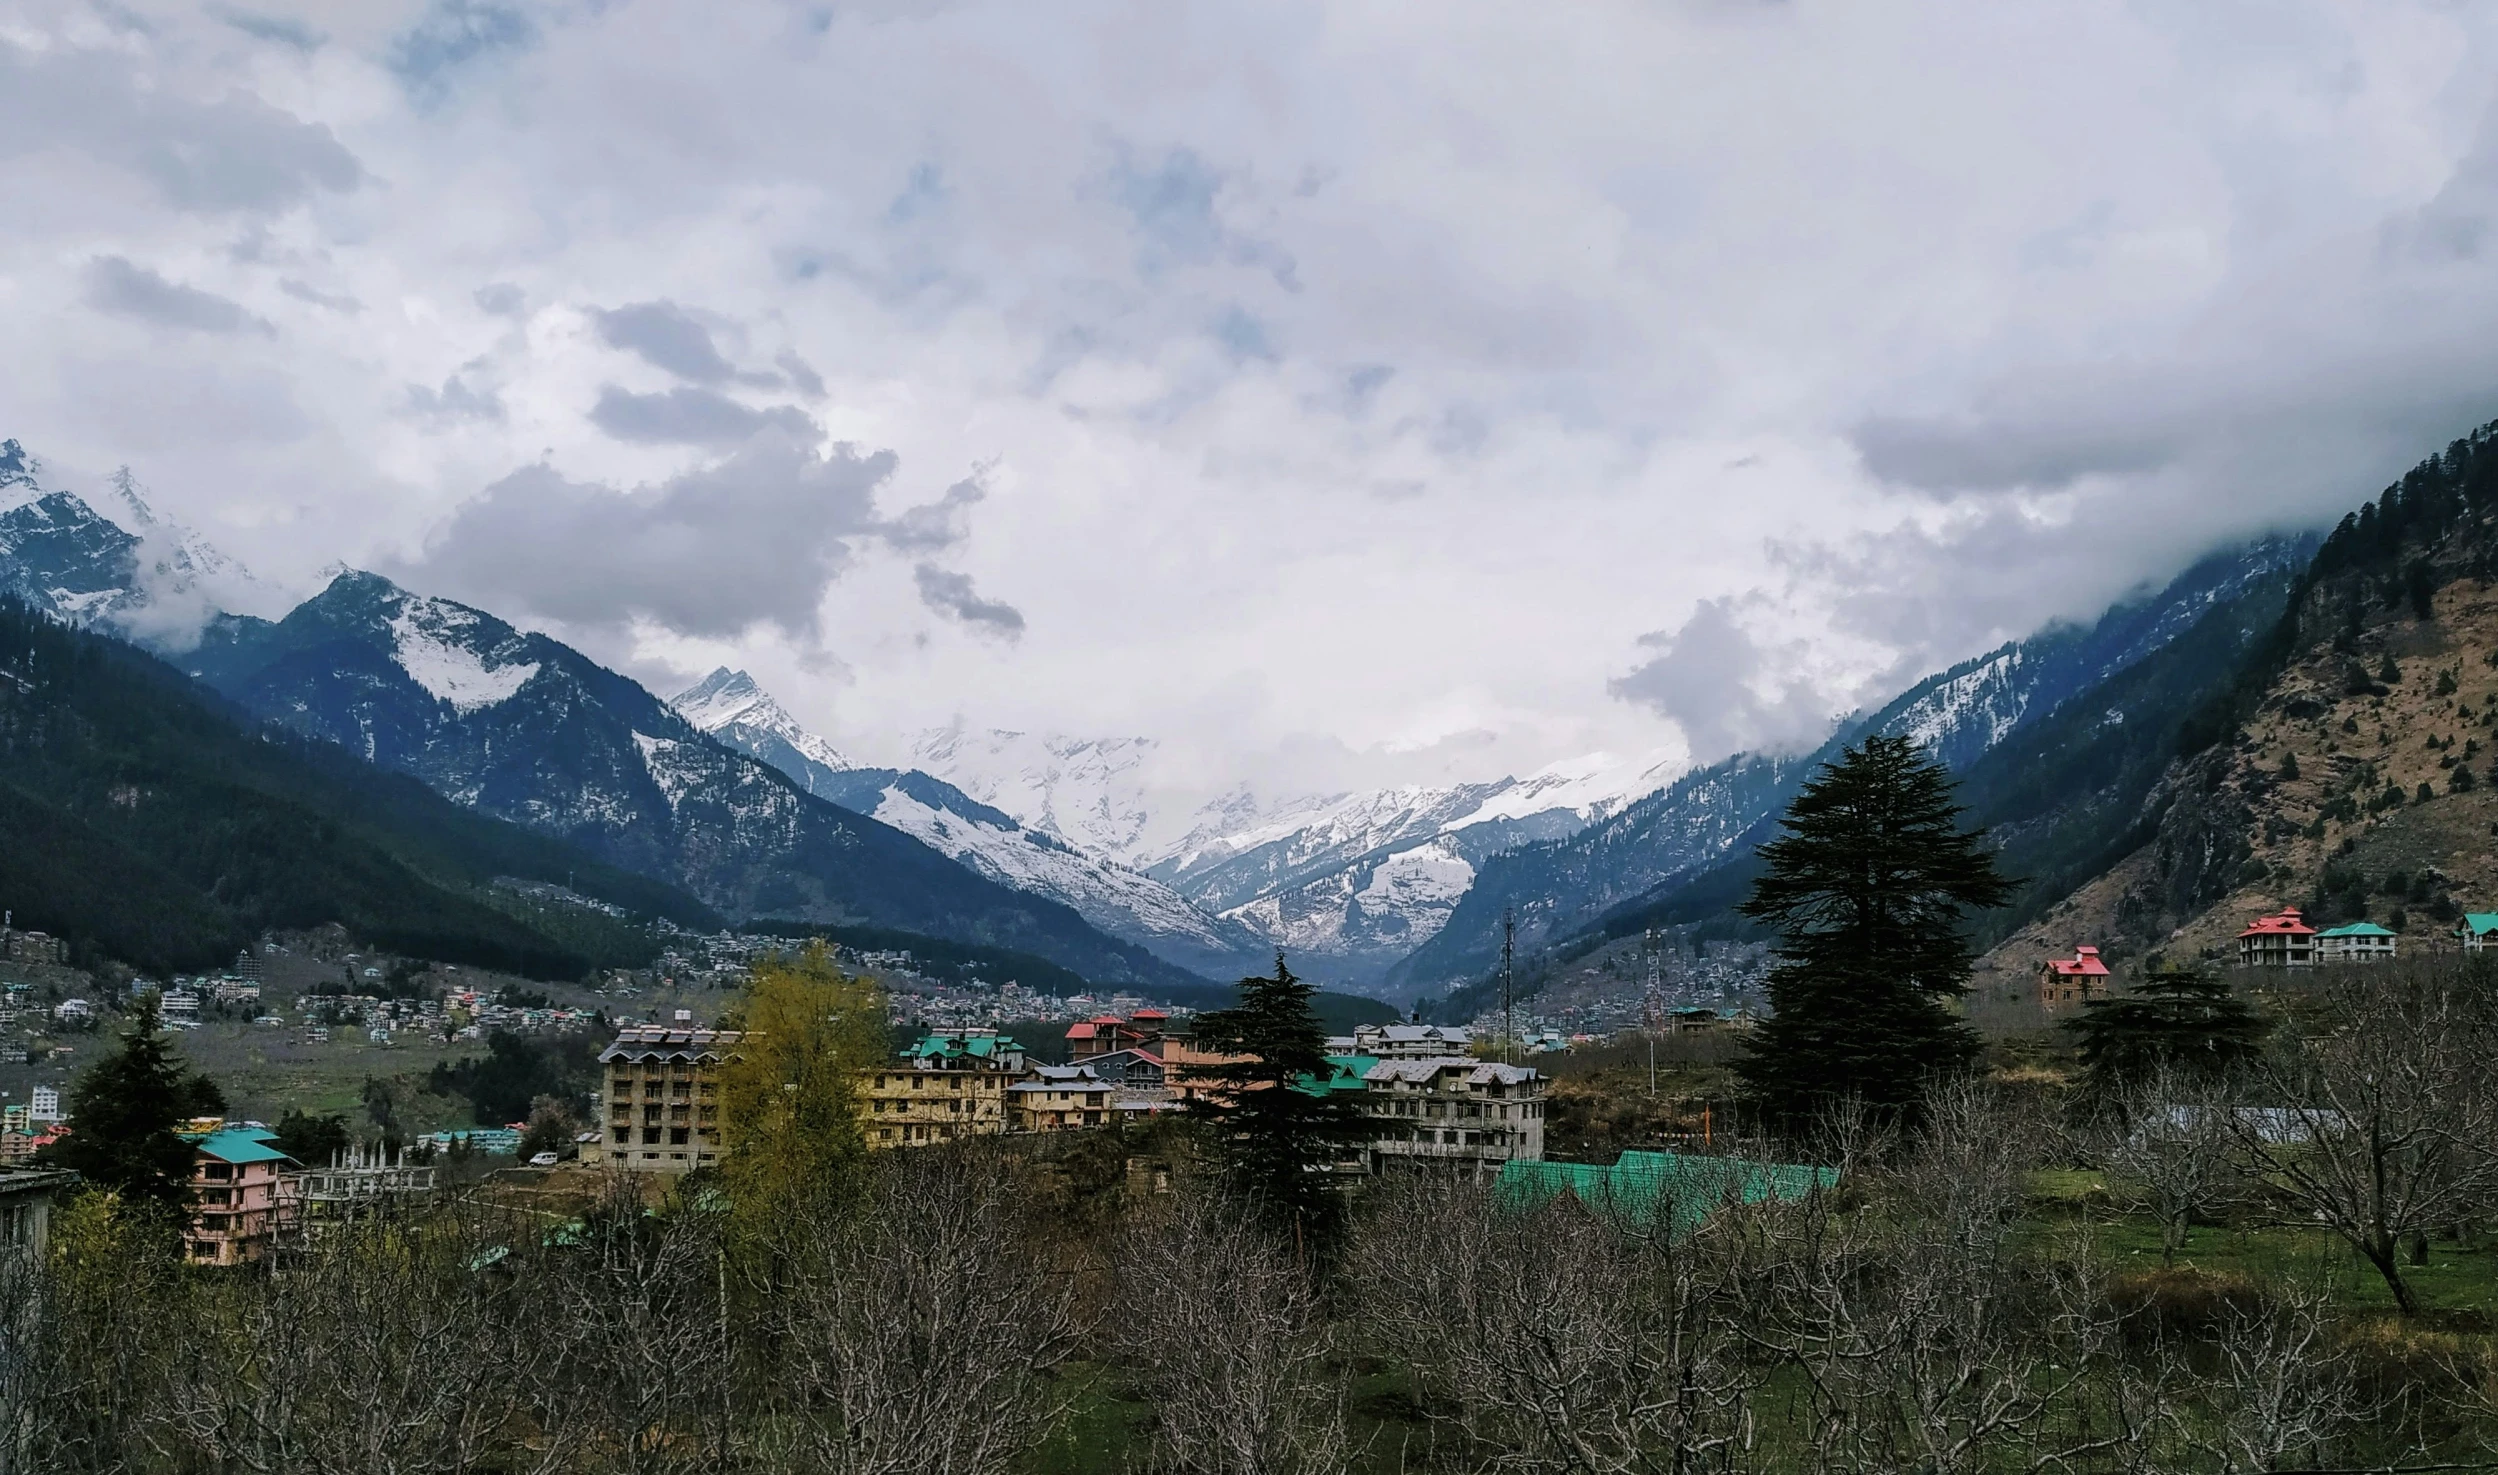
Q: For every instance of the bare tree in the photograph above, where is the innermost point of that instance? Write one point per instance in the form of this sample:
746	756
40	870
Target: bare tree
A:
2172	1140
1582	1337
2384	1114
921	1333
2280	1389
1232	1349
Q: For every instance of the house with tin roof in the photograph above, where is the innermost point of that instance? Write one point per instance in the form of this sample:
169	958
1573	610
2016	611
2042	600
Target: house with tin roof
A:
2282	940
2478	930
2354	942
239	1204
2066	983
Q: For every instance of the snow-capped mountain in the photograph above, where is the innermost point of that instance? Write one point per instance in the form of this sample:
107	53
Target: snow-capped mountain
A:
1558	886
1359	880
731	707
1090	792
125	567
521	726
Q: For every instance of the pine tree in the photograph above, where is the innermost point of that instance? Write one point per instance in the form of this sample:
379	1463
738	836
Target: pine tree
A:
125	1114
1866	888
2183	1019
1274	1125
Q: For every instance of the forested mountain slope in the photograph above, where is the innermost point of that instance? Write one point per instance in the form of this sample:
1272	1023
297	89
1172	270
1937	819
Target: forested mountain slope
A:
2348	769
146	820
1667	853
523	727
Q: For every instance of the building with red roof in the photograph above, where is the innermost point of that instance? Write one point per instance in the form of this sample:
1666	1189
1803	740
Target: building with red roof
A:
2281	940
2066	982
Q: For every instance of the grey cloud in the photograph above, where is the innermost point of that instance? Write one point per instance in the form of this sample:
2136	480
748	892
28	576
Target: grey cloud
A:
950	593
698	417
664	336
304	291
115	285
273	28
1980	455
752	541
500	298
937	524
237	153
1706	676
801	373
455	402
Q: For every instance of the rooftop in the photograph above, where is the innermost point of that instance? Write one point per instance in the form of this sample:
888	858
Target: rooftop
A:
660	1042
239	1145
2356	929
2284	923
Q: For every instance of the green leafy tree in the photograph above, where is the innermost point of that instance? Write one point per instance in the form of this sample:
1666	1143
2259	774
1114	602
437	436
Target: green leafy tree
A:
312	1140
1866	888
1274	1129
2183	1021
125	1116
789	1091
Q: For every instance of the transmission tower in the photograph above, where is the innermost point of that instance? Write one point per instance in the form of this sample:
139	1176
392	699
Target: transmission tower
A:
1509	944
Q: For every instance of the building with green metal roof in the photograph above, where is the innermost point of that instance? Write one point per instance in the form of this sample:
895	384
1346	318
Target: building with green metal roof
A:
2478	930
2354	942
1647	1188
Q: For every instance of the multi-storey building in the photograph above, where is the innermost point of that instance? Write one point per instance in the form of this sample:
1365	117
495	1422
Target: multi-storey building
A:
1058	1098
237	1207
1413	1041
660	1100
1455	1112
951	1084
2281	940
2065	982
2357	942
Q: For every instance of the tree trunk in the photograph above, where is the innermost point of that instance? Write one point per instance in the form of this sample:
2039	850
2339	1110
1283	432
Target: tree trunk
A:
2381	1254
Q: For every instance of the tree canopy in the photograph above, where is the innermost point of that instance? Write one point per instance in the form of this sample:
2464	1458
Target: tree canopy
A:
1274	1126
788	1090
1867	887
125	1116
2184	1020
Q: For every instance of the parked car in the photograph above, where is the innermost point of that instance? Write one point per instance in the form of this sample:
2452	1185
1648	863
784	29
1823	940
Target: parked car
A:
543	1160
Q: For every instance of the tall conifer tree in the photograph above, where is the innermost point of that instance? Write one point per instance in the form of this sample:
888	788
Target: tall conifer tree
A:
1275	1126
1866	888
125	1114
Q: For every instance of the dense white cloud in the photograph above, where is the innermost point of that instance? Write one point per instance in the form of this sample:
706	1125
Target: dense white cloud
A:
1336	392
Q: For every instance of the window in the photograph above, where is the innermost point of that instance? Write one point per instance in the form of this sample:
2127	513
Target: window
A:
676	1138
650	1138
621	1134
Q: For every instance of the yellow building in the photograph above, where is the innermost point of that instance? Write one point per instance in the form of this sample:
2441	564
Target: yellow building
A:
661	1099
1058	1098
953	1083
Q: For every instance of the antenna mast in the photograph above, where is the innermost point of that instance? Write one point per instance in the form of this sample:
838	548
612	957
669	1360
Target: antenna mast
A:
1509	943
1652	1005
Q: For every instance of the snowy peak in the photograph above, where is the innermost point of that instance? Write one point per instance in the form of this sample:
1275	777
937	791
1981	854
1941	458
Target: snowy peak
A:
726	699
462	657
111	558
1090	792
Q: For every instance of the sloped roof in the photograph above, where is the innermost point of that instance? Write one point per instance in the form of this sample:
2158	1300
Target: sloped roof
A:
2356	929
1478	1072
950	1047
659	1042
1645	1187
238	1146
2085	963
2284	923
2480	924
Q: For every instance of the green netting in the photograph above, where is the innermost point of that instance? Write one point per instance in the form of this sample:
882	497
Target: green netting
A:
1649	1187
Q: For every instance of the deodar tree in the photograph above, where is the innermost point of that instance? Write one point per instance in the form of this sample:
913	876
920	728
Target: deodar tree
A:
1866	889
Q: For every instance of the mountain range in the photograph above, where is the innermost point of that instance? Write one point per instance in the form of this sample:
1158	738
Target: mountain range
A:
1060	845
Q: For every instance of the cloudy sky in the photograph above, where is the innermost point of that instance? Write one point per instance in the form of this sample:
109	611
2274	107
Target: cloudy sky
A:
1337	393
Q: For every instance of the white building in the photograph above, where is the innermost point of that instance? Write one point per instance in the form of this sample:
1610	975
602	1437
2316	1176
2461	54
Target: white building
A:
44	1104
1413	1041
1454	1110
